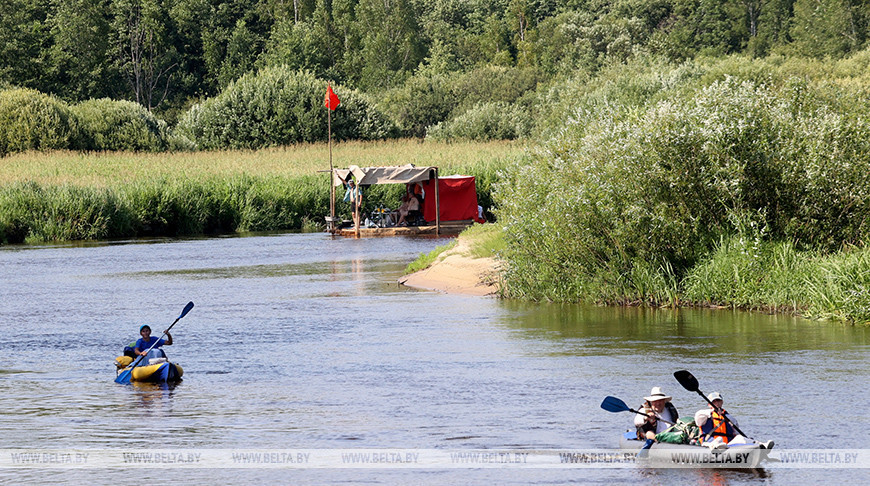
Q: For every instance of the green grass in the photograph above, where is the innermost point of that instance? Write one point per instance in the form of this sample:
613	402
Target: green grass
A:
484	240
56	196
425	260
106	169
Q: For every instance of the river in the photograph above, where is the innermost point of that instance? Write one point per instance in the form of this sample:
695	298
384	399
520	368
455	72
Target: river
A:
300	341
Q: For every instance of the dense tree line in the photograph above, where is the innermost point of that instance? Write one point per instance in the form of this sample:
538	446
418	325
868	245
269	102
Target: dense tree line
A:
167	54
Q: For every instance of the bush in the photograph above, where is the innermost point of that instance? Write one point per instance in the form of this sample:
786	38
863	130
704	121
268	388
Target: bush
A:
660	182
484	121
120	125
30	120
33	213
420	102
427	99
279	106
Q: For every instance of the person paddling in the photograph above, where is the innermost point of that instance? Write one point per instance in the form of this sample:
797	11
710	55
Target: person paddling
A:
659	410
146	341
719	431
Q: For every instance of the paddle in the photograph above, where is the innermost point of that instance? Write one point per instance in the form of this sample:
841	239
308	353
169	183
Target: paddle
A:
690	383
613	404
124	377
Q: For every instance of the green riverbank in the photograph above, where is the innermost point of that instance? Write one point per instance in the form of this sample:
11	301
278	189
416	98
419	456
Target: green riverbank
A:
59	196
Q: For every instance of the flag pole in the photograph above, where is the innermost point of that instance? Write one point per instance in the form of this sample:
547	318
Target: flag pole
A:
331	169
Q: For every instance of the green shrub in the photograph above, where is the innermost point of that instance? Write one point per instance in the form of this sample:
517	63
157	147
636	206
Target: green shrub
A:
420	102
492	84
425	260
427	99
484	121
280	106
661	181
839	287
120	125
30	120
751	273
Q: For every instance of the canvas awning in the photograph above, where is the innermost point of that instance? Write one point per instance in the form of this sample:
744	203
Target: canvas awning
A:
366	176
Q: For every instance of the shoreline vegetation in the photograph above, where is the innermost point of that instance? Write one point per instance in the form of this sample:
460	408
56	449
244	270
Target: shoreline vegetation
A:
775	279
55	196
733	181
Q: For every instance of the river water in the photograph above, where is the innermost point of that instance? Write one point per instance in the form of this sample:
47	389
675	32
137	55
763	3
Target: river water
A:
300	341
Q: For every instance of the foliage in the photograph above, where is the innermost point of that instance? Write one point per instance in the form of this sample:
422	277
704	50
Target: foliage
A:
484	121
484	240
279	106
655	183
420	102
751	273
428	98
30	120
68	196
120	125
30	212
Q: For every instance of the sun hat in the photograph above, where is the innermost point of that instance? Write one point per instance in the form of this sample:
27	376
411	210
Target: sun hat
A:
657	394
715	396
143	327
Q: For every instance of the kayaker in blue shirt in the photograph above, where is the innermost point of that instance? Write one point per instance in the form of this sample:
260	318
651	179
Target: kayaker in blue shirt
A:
145	342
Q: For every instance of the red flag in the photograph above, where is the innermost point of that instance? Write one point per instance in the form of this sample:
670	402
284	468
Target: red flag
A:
330	100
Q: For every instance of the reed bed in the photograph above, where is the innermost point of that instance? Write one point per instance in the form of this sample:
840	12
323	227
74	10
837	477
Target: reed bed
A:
107	169
73	196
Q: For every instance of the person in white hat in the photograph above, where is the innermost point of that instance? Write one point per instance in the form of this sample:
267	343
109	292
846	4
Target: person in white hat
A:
659	411
718	431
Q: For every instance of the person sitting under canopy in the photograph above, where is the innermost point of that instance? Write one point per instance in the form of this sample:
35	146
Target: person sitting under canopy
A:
411	206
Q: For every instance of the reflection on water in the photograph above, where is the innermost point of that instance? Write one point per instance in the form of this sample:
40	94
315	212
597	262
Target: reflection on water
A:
704	333
302	341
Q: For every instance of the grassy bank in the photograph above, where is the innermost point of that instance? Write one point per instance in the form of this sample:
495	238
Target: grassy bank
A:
71	196
483	240
736	182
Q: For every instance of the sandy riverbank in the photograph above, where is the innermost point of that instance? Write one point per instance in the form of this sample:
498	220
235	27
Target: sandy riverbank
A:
456	272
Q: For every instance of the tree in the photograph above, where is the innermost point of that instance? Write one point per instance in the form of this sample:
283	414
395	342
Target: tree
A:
145	55
241	52
24	41
81	56
825	27
391	44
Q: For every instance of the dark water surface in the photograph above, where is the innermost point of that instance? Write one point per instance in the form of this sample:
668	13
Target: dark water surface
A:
301	341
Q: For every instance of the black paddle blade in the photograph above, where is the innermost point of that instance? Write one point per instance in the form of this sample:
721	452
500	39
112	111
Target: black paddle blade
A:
613	404
186	310
688	380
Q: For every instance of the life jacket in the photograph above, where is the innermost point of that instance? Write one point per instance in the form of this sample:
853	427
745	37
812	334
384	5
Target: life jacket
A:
721	427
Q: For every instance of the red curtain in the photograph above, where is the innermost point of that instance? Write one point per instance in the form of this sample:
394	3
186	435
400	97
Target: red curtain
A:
457	196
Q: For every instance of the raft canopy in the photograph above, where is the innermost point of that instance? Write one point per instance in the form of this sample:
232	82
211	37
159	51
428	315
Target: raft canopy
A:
367	176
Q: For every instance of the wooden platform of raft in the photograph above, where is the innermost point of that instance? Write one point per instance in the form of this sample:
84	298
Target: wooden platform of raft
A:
448	228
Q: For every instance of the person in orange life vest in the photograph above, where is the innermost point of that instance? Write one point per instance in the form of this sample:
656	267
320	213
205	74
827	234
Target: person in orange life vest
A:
657	406
712	421
717	431
147	340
